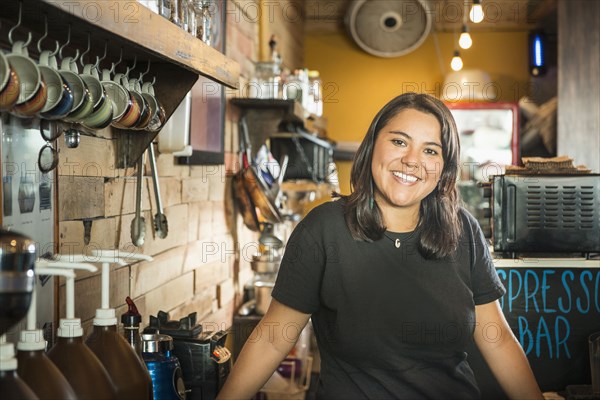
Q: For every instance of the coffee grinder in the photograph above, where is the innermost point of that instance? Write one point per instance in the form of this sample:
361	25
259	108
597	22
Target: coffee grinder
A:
205	361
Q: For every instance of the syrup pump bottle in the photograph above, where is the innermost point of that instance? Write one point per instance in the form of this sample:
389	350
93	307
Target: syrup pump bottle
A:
131	325
34	367
11	385
127	371
74	359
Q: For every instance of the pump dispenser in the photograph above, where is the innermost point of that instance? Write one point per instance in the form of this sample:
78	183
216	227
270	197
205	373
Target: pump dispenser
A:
34	367
74	359
127	371
11	385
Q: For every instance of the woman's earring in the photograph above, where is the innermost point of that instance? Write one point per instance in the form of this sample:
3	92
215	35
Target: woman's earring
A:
371	198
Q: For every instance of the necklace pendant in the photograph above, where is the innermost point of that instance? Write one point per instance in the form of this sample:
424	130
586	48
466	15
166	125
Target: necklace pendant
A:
397	243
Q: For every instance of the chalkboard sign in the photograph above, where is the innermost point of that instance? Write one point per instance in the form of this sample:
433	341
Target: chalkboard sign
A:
551	311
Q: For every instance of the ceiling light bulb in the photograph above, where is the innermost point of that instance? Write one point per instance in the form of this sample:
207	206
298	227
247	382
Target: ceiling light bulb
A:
476	14
456	64
465	41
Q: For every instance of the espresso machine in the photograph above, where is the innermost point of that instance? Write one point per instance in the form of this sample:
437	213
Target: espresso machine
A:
204	359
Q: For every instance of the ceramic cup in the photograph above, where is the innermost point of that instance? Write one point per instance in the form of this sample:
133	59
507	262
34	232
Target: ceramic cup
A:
9	84
102	113
145	115
157	112
117	94
131	117
33	91
60	95
83	104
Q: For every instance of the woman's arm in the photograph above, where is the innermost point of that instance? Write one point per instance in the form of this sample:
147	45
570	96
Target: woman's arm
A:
270	342
503	353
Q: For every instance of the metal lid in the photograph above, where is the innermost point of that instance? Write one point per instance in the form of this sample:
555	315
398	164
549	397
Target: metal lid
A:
156	343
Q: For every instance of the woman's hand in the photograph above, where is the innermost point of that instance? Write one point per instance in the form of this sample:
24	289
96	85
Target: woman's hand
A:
270	342
503	353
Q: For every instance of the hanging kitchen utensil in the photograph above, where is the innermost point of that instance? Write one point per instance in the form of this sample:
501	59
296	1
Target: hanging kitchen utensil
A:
138	225
276	188
241	195
244	202
258	189
161	227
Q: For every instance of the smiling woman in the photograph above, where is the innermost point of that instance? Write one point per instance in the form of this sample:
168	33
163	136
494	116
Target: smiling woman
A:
396	264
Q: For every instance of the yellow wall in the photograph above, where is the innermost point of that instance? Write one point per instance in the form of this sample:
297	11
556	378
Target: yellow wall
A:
356	85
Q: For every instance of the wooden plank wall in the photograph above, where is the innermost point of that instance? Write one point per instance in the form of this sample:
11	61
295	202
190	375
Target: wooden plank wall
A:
579	81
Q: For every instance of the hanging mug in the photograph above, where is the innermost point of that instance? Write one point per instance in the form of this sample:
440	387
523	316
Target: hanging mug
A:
131	117
9	84
117	94
158	115
33	91
60	94
145	114
101	115
82	98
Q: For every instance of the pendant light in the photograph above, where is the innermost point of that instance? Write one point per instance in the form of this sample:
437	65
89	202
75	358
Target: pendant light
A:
456	64
476	14
465	41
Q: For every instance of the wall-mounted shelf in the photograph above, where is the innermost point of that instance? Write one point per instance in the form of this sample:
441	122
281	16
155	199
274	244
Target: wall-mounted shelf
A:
263	117
176	57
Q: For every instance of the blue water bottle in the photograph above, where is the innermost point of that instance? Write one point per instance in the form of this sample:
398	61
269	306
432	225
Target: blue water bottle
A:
163	366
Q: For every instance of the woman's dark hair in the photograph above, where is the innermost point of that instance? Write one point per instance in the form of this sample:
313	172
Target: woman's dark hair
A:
439	223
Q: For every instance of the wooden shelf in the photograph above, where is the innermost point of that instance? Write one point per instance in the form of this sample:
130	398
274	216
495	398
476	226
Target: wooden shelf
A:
126	24
264	116
123	27
292	109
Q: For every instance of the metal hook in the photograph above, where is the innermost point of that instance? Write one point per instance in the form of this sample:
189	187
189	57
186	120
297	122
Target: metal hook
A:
39	43
112	68
10	33
56	50
89	46
129	69
153	80
99	59
134	64
66	43
145	72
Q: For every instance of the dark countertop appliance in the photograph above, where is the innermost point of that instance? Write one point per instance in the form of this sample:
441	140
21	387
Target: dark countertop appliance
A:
204	359
545	213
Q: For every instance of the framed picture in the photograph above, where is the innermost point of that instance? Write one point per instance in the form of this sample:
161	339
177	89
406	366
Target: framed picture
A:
207	116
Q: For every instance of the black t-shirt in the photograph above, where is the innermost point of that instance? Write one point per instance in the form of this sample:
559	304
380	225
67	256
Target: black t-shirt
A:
389	323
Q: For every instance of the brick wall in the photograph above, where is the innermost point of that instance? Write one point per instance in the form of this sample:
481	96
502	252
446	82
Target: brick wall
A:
199	266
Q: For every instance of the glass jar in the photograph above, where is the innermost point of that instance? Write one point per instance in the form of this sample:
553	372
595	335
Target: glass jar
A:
182	10
164	8
192	27
292	88
267	76
174	5
203	20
